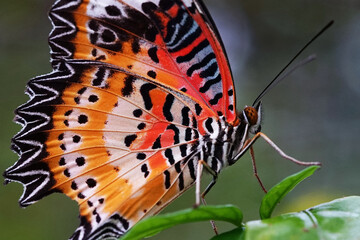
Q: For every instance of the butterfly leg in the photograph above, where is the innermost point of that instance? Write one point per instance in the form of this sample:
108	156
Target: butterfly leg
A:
199	171
211	184
249	143
252	154
284	155
202	164
207	189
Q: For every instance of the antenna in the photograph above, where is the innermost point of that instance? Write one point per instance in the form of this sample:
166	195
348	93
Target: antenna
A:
276	79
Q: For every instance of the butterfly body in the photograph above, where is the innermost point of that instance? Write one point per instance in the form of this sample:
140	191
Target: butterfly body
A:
141	92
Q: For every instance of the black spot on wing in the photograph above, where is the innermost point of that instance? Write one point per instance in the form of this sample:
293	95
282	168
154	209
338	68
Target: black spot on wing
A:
128	88
83	119
112	10
216	99
185	116
74	186
66	172
80	161
93	98
100	58
181	181
68	113
145	93
141	156
91	182
62	162
192	169
76	139
176	131
167	107
99	77
167	179
129	139
151	74
144	169
81	196
178	167
61	136
153	54
157	143
141	126
169	155
108	36
63	147
77	100
208	125
188	133
198	109
94	52
183	149
137	112
135	46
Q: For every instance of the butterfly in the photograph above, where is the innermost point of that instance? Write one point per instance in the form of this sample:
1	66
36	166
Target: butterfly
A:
140	100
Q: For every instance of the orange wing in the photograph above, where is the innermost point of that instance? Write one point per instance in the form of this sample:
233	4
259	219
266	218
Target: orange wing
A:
171	41
118	125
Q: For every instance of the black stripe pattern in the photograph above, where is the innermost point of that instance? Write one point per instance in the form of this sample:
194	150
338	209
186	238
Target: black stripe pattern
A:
183	34
108	28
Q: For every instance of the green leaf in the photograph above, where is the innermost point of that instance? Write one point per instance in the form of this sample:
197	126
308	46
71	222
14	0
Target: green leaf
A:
154	225
235	234
339	219
279	191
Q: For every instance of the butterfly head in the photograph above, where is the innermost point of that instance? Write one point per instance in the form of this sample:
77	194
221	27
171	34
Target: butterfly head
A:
252	116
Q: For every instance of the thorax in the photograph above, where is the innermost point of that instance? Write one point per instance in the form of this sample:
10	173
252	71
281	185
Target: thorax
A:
221	142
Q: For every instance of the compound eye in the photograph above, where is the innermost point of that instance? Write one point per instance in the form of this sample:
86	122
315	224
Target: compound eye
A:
258	129
251	115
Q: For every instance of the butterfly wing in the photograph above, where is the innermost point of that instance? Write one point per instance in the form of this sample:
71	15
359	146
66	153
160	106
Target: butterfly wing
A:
173	42
116	125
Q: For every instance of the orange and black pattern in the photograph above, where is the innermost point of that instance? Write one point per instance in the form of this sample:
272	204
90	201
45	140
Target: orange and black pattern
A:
140	92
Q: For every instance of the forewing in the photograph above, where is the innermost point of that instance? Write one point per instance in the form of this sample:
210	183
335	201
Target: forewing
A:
172	41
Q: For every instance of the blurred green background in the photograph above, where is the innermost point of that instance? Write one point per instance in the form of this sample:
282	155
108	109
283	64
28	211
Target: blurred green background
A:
313	115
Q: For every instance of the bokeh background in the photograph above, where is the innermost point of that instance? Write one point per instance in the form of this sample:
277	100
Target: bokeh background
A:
313	115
